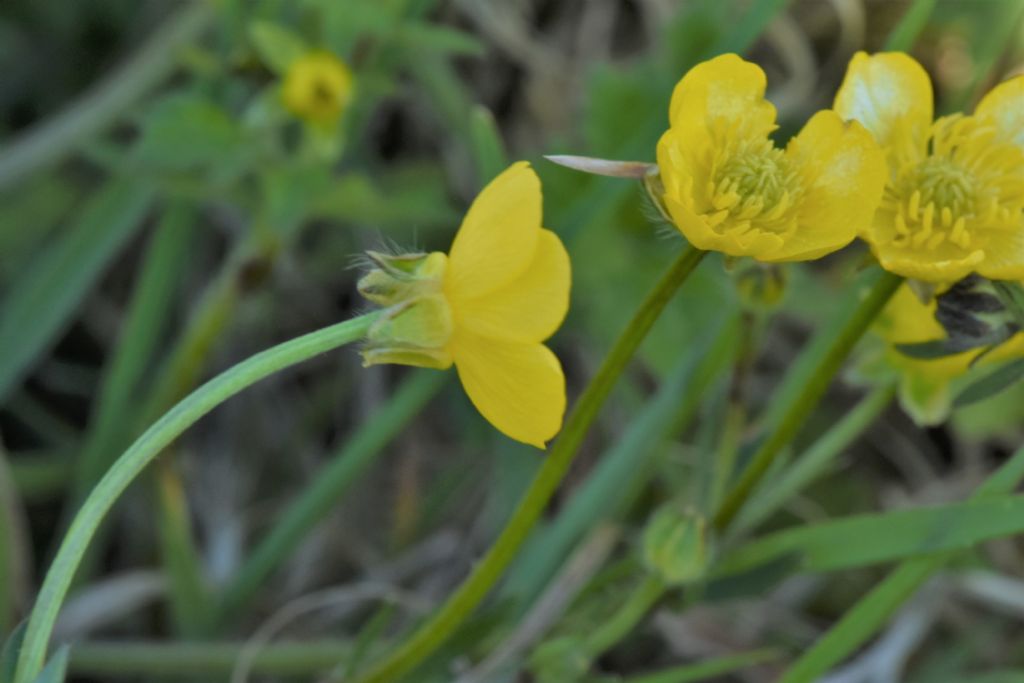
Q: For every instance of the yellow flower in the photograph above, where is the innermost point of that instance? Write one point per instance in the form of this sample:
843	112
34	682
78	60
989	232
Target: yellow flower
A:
954	203
925	387
317	88
487	307
728	188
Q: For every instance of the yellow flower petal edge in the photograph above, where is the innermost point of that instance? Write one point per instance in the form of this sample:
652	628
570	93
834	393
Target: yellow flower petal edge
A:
487	308
727	188
954	201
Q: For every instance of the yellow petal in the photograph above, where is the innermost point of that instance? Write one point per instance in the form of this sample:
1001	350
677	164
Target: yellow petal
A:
528	309
1004	105
722	94
1004	254
843	173
519	388
891	94
499	233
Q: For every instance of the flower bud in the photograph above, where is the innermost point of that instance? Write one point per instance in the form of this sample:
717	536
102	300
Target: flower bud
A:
416	325
674	545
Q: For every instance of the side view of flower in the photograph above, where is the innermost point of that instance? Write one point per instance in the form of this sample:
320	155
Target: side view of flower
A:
728	188
486	307
954	202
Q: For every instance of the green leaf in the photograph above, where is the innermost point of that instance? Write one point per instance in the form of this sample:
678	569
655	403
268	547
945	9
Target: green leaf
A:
870	539
991	384
56	669
184	132
40	305
9	653
276	45
421	37
487	146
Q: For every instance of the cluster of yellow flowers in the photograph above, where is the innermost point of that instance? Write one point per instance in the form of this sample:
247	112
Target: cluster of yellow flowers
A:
935	201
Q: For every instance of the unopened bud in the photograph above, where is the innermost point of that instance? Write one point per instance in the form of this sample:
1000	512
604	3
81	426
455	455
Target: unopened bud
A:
674	546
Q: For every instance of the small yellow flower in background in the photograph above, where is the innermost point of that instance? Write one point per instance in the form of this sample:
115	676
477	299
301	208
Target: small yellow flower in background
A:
954	203
925	388
317	88
728	188
487	307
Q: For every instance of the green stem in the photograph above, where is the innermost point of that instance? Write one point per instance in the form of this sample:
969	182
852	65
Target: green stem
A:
148	446
329	486
51	140
814	461
902	37
475	588
803	402
636	607
213	660
711	668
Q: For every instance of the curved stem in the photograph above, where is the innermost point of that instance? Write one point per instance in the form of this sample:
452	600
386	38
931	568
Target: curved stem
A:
148	446
637	605
488	571
795	414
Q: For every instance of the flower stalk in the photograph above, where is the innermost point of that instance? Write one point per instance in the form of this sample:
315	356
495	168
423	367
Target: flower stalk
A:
460	605
796	413
141	453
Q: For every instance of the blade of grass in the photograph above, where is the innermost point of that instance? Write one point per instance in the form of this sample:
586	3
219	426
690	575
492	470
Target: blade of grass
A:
329	486
41	303
215	660
51	140
711	668
141	333
905	34
861	540
813	462
873	610
15	561
191	598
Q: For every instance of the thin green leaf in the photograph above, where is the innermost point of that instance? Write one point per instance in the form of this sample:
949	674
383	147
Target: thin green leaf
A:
56	669
40	305
814	461
711	668
141	333
422	37
872	611
1011	294
991	384
9	653
902	37
870	539
941	348
488	147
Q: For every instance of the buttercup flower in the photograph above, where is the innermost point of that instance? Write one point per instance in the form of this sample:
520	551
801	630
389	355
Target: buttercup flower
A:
317	87
487	307
954	202
925	386
728	188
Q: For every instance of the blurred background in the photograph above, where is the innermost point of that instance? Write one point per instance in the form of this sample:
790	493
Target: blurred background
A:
173	200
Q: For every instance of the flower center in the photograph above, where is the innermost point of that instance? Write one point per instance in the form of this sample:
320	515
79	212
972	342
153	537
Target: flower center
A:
939	197
754	184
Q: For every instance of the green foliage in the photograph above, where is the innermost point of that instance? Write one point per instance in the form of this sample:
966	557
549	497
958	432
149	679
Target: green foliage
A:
164	216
